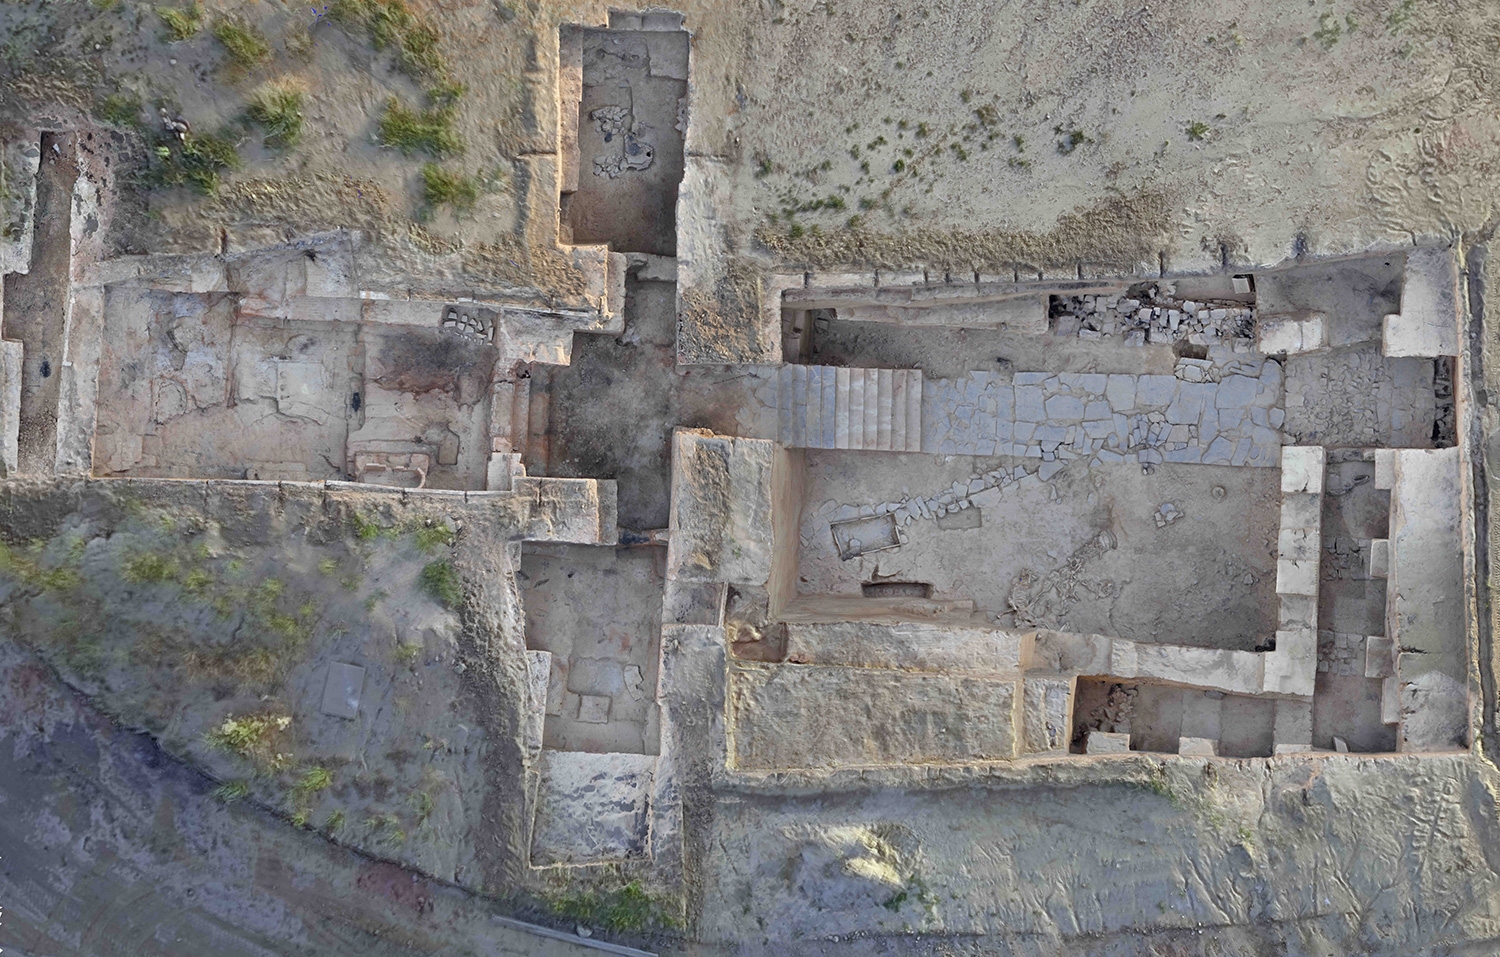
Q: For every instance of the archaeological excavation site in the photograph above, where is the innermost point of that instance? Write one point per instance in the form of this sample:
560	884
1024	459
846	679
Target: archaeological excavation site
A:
538	478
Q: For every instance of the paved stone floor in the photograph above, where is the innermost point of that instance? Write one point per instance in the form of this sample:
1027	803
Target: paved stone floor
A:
1210	412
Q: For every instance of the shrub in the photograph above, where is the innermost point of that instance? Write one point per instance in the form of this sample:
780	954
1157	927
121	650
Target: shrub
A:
277	108
251	737
247	46
420	131
197	162
182	24
441	582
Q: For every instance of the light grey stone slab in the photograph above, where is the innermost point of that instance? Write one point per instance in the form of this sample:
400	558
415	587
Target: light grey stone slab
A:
342	689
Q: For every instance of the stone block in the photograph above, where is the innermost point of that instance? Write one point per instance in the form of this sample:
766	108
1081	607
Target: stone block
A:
907	646
1046	720
1198	747
693	603
1120	393
1123	659
1237	672
1296	612
1427	324
1434	711
1107	742
1297	577
1380	657
1301	510
1064	408
1385	468
539	680
342	689
1292	668
593	709
1236	391
1302	468
1380	557
721	509
1069	653
1155	390
1298	544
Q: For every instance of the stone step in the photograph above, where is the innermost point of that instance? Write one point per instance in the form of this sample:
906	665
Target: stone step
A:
826	407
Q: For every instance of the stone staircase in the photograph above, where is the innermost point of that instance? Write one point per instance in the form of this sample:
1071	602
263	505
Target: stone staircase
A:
827	407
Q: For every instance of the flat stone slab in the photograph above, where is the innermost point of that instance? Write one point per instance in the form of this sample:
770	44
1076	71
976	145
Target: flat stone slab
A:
1302	468
593	709
1198	747
1107	742
342	690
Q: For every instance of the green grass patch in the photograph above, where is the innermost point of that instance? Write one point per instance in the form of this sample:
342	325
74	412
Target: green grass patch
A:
245	44
1329	30
442	188
149	568
1197	130
182	23
312	781
27	566
421	805
429	131
276	107
232	791
197	581
365	529
120	109
387	827
1400	15
629	909
441	582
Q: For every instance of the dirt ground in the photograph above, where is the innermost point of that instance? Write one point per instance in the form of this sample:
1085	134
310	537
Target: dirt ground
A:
613	409
1205	580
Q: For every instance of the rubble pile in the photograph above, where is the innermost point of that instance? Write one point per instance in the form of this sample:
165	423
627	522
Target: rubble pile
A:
1151	314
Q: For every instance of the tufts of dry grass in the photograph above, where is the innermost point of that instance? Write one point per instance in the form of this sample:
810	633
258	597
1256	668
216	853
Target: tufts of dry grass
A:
246	45
276	107
183	23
